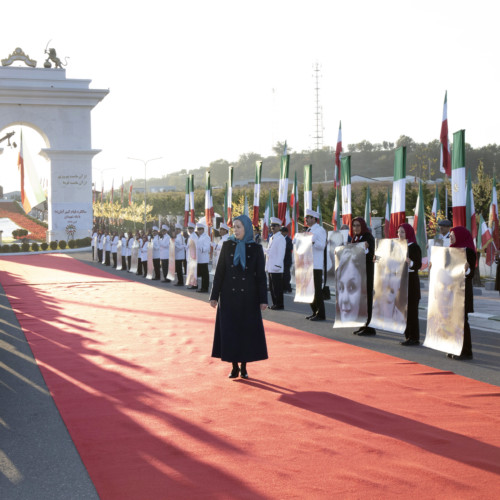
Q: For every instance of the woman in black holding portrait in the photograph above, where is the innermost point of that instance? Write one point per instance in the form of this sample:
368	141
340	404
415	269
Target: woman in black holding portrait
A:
363	234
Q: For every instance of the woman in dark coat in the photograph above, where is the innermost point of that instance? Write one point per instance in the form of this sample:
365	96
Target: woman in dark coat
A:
240	291
460	237
363	234
414	261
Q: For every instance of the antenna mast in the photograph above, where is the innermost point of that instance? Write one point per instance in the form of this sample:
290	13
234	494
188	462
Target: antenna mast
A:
318	112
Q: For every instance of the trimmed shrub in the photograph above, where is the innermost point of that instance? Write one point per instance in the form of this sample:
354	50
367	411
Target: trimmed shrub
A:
83	242
44	246
17	233
15	248
71	243
5	248
35	247
53	245
25	247
62	244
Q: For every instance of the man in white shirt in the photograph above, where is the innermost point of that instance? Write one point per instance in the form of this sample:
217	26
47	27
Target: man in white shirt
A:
275	255
203	245
164	252
180	254
444	232
156	253
319	245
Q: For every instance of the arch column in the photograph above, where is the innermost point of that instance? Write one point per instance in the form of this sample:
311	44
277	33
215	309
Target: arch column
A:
70	193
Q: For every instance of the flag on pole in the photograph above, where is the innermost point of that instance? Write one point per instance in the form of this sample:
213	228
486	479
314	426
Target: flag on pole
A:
458	192
338	155
208	200
283	187
470	210
186	203
265	222
31	190
191	197
225	204
294	203
445	157
446	202
345	182
288	219
387	222
336	210
398	206
486	241
307	188
230	198
368	207
256	193
419	226
493	216
435	204
130	193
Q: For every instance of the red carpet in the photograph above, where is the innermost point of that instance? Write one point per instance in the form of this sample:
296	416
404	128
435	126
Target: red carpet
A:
153	416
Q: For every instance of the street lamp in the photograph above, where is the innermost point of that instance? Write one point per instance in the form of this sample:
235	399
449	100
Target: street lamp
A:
145	162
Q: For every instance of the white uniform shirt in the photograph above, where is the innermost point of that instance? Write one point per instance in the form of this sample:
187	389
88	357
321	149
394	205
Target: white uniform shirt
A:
180	247
319	243
275	253
114	244
107	243
144	250
165	247
203	249
156	247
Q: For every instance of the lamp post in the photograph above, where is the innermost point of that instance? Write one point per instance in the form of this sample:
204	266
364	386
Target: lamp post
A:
145	162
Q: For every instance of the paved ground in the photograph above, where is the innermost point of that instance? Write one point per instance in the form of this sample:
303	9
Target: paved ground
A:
37	458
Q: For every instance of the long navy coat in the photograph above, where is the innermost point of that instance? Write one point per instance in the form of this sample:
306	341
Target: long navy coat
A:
239	332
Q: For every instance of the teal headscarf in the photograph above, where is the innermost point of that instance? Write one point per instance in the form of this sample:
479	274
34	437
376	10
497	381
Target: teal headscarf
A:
240	253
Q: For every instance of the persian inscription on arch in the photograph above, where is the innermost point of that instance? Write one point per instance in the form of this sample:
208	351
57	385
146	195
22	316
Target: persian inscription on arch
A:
19	55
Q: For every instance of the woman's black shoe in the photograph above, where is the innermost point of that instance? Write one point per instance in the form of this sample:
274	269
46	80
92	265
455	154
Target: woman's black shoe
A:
244	373
234	372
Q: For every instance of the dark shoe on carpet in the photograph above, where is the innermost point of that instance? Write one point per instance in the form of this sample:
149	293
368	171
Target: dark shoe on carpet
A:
366	331
311	316
179	284
244	373
277	308
461	357
234	373
317	318
202	291
410	342
192	288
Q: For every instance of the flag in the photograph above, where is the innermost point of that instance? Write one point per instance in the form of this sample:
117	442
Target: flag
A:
458	192
230	198
31	190
225	204
368	207
256	193
336	211
398	206
130	193
435	204
493	216
307	188
294	204
486	241
445	158
191	197
122	193
208	200
265	222
283	187
338	155
387	222
470	210
446	202
186	203
345	182
419	226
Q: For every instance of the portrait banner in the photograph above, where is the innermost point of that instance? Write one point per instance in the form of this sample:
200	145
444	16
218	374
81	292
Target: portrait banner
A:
304	265
151	271
350	286
104	243
215	254
192	264
446	309
134	257
119	256
335	239
95	248
390	286
171	260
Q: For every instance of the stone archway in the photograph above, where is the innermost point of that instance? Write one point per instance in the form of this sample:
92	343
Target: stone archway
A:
59	109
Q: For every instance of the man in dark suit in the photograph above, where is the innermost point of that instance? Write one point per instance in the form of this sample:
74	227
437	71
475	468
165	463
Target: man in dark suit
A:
287	262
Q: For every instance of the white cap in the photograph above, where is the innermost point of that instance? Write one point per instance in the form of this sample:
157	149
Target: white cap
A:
164	227
200	226
224	226
155	228
191	224
178	226
312	213
275	220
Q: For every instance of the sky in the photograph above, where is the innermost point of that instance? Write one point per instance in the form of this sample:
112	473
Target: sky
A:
196	81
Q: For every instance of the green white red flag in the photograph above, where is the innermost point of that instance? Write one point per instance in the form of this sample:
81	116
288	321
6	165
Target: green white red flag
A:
338	155
419	226
256	193
435	204
458	193
191	197
368	207
208	200
398	205
470	210
336	210
283	187
445	157
230	198
486	241
307	188
225	205
186	203
294	204
267	215
493	216
387	222
345	182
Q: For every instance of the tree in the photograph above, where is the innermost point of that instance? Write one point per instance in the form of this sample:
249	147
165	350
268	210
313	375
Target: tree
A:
279	148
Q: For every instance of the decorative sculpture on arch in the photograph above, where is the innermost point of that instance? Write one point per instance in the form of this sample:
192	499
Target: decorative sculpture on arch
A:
19	55
52	56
